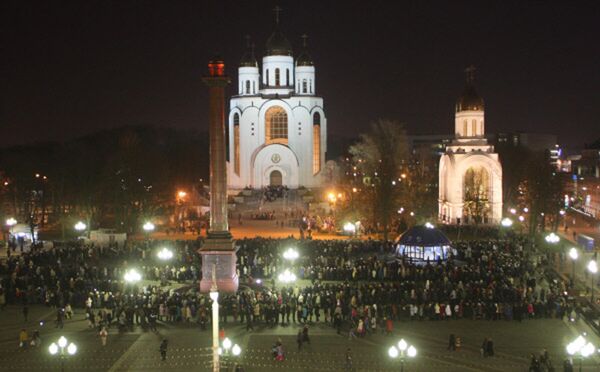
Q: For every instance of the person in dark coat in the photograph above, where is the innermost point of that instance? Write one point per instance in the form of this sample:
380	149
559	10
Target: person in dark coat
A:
163	349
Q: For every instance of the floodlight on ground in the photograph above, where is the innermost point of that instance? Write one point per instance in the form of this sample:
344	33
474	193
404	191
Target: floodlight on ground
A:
236	350
429	225
80	226
214	295
506	222
132	276
165	254
521	218
513	211
53	348
393	352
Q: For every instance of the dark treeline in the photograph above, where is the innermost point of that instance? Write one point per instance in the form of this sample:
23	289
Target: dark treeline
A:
111	178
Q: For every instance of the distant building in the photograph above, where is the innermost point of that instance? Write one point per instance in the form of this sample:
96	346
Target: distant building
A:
277	128
470	174
582	192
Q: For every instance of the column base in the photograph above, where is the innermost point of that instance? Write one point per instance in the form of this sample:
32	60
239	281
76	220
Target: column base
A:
218	249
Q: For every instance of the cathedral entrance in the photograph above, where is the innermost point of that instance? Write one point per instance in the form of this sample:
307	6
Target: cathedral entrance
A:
275	178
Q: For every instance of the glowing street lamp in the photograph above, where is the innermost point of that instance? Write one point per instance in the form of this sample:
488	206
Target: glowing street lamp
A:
148	227
506	222
349	228
132	276
291	254
574	255
80	226
287	277
61	349
582	347
552	238
429	225
165	254
11	222
229	348
593	269
402	350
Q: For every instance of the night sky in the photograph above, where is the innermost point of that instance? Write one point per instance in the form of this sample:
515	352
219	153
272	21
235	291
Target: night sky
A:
73	68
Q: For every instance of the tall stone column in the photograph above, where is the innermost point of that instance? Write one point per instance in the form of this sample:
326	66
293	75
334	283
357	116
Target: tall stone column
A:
218	251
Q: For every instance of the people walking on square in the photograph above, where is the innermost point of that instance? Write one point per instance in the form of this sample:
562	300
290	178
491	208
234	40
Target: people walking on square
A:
348	363
103	336
299	339
452	342
490	347
305	337
23	338
163	349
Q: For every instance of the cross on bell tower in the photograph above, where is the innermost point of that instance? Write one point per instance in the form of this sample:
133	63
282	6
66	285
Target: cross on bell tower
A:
277	10
470	74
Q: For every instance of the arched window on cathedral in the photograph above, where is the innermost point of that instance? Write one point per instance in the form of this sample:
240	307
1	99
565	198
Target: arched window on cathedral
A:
267	82
277	78
310	90
276	125
287	77
236	144
474	127
247	86
304	86
465	128
316	143
253	87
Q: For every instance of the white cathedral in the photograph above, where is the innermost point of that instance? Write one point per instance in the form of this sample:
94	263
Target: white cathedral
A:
470	178
277	130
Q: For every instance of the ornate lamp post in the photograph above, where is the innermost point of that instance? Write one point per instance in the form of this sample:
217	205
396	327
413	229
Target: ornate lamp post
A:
228	349
574	255
582	347
291	255
402	351
165	254
62	350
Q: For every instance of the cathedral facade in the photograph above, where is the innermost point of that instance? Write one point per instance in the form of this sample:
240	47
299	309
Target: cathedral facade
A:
277	129
470	174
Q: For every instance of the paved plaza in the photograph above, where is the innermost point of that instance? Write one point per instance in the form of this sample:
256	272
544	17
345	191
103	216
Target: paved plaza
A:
189	347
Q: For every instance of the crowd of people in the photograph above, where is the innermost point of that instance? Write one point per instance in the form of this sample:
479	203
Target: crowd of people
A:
356	287
272	193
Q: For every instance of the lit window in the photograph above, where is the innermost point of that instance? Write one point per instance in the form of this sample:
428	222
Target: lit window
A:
276	125
316	143
236	144
474	127
465	128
